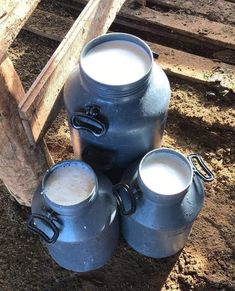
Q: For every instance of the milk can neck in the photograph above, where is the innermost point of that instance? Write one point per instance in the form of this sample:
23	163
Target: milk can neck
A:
166	200
69	187
76	209
111	91
165	176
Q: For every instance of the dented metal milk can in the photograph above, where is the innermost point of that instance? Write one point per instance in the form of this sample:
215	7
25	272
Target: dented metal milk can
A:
159	199
75	213
117	101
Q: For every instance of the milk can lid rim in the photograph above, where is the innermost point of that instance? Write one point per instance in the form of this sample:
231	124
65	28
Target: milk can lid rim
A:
176	154
61	164
111	37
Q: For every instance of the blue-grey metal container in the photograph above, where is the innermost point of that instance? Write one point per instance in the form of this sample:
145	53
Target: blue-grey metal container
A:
113	125
80	237
154	224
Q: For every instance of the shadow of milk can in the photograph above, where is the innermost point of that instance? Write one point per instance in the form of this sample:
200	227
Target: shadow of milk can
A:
117	101
159	199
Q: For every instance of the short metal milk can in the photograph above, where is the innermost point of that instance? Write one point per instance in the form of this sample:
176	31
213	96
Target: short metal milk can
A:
75	213
159	199
117	101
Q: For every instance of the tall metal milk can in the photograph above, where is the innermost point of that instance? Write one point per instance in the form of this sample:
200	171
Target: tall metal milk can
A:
75	213
117	101
159	199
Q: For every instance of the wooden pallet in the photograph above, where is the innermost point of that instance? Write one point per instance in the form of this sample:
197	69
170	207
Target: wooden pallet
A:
175	25
13	15
24	116
174	62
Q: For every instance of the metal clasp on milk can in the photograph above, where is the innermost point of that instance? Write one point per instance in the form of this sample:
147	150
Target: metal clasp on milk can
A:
161	202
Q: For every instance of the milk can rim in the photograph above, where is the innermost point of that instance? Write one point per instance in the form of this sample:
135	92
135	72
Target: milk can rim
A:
176	153
58	165
114	36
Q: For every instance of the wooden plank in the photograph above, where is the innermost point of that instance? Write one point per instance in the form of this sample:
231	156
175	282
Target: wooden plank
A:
194	26
195	68
156	33
41	97
21	165
174	62
217	10
13	15
38	24
197	27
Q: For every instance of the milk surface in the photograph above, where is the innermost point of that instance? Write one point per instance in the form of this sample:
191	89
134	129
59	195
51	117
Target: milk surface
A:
69	184
165	174
117	62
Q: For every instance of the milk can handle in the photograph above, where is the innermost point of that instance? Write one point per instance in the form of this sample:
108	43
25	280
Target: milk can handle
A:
49	222
83	121
207	178
116	191
90	119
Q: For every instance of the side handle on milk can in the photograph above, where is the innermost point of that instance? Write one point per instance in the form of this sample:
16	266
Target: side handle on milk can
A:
209	175
48	222
126	190
90	119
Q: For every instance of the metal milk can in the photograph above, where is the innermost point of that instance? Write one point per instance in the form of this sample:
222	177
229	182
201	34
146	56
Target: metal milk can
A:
75	213
159	199
117	101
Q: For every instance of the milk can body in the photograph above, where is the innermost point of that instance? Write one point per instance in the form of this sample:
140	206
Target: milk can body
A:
158	225
113	125
79	237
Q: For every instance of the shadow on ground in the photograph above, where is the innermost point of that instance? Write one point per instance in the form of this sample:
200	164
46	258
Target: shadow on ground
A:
25	264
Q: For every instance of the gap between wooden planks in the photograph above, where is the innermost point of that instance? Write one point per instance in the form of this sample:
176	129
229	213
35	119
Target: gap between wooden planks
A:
13	15
217	10
174	62
39	101
196	27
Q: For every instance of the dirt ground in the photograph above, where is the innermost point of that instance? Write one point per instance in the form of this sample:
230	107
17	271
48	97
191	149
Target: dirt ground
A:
199	121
